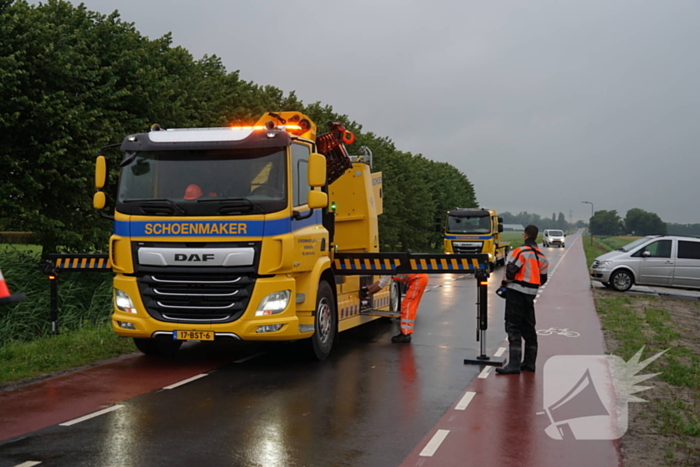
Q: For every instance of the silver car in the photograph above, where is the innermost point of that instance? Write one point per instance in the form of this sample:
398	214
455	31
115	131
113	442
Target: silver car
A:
660	260
554	238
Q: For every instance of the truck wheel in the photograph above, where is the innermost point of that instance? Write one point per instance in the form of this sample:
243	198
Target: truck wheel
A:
157	347
492	266
325	322
621	281
394	296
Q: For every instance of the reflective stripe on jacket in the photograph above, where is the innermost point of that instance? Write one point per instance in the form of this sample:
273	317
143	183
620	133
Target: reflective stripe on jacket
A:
403	278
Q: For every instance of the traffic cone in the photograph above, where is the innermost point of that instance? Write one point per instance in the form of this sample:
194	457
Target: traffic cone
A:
6	296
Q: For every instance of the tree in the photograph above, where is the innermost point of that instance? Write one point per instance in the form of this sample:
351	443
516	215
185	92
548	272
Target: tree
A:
72	80
561	222
75	81
605	223
641	222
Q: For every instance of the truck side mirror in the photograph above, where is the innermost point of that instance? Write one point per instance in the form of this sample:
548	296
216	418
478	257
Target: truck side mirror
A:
500	228
317	199
317	170
99	200
100	172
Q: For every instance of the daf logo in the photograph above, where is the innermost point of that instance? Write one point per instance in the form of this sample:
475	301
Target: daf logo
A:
194	257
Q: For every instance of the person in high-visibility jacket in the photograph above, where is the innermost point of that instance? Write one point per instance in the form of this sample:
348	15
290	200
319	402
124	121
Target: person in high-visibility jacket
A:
409	304
526	271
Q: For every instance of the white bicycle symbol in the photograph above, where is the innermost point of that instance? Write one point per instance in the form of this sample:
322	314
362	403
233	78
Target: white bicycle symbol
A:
559	332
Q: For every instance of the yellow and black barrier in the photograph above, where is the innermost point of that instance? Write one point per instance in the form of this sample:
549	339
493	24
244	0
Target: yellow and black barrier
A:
70	262
81	262
352	264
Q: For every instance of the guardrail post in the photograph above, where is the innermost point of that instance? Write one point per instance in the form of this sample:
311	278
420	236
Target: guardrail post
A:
51	270
53	316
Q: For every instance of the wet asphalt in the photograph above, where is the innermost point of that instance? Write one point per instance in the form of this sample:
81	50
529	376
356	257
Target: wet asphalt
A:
368	404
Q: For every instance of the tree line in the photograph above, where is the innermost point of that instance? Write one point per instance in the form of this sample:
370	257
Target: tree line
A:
525	218
74	80
637	222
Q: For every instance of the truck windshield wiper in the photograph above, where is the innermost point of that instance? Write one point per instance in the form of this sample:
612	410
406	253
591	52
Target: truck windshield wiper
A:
130	158
233	205
157	205
214	200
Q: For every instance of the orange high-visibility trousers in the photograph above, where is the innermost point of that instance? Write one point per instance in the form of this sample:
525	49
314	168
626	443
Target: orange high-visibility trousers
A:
410	302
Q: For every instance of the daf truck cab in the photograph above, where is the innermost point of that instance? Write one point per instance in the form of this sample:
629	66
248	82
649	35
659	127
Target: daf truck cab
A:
476	231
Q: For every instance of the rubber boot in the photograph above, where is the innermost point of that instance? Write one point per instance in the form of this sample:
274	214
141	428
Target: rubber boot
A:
401	339
513	366
529	358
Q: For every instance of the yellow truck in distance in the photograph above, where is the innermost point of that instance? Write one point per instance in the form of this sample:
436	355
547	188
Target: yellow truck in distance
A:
474	231
230	233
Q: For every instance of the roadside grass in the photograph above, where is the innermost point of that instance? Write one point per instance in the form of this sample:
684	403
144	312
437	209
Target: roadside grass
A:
631	322
516	239
28	349
26	361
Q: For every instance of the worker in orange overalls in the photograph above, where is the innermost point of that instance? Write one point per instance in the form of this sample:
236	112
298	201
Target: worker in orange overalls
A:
526	271
409	304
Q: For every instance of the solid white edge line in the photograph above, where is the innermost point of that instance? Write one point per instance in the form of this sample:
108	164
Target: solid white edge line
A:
499	352
28	464
466	399
185	381
434	443
92	415
485	372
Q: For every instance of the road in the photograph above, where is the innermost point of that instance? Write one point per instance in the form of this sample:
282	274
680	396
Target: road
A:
369	404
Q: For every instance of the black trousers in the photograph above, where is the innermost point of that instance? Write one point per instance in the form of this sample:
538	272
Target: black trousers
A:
520	318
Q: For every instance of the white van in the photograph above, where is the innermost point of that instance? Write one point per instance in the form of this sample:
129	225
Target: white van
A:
661	260
553	238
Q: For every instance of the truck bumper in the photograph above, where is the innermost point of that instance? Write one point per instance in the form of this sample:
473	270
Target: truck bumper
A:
248	327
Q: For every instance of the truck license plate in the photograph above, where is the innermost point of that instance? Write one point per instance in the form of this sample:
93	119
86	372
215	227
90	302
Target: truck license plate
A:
193	335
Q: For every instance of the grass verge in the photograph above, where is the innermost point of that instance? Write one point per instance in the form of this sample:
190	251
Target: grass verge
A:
27	361
666	430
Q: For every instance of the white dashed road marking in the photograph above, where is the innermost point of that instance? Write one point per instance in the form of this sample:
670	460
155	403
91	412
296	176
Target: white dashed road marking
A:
434	443
185	381
466	399
485	372
92	415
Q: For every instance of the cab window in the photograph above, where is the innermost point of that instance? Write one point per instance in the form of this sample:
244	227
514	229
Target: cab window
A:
300	172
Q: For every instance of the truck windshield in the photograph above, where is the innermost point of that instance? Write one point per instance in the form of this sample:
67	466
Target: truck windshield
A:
203	182
468	225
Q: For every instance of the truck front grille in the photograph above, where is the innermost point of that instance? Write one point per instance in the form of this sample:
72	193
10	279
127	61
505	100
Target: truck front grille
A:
195	298
467	250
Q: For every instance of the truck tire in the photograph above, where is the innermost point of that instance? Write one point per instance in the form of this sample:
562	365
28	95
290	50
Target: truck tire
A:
325	323
394	296
162	348
621	280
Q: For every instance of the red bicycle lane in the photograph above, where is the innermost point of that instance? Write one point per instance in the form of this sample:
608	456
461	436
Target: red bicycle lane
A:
65	397
501	419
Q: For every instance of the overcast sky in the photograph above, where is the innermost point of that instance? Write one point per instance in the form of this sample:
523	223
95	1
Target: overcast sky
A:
542	104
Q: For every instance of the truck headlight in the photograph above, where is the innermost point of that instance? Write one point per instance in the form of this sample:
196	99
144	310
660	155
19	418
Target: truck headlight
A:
273	303
123	302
